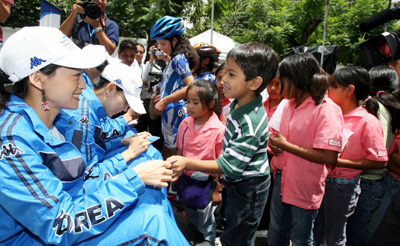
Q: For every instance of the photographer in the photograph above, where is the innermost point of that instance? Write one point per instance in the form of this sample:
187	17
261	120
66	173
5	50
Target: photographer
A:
88	24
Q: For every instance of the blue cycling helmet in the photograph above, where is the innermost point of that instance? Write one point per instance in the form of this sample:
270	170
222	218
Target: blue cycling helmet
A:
167	27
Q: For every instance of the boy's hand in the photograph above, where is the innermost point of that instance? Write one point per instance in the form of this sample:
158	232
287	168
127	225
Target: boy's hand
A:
277	143
154	172
178	164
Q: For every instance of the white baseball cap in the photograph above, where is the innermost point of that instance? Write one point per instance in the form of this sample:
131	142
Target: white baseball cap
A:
33	48
124	78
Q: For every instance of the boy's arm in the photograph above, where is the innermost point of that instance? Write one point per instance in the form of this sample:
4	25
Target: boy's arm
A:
180	163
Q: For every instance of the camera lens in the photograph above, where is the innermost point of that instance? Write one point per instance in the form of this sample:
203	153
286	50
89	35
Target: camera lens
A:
92	10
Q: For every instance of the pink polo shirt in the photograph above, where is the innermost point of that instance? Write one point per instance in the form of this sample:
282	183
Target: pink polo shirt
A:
395	149
204	144
271	111
366	142
313	126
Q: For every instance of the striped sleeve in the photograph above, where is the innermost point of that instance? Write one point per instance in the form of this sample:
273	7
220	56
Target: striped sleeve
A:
237	155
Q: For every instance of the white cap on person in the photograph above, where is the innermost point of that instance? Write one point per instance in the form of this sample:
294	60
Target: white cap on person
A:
122	76
33	48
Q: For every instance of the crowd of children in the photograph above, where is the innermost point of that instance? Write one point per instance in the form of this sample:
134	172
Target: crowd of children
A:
326	146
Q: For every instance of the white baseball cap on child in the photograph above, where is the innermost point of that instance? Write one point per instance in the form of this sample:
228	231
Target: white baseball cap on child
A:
122	76
33	48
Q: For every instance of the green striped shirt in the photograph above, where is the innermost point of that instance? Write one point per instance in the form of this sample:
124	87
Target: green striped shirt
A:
245	142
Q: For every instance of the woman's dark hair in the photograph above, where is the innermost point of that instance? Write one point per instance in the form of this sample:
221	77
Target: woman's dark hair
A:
103	83
183	46
219	68
207	92
305	73
20	88
256	59
357	76
384	78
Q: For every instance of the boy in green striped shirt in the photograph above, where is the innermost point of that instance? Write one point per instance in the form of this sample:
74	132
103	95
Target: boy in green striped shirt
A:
244	163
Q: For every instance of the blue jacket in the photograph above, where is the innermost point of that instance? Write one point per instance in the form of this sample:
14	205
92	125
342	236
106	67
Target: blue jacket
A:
95	135
45	200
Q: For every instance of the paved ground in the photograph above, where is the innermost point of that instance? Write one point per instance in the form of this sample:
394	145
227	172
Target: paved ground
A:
194	236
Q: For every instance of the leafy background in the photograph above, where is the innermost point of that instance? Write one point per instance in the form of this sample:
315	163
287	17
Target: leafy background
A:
281	24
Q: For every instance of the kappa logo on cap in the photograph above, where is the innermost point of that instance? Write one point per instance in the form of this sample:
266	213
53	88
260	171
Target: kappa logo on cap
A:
36	62
119	82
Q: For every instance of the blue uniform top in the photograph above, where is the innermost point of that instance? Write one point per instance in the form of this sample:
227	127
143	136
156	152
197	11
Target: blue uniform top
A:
42	198
206	76
173	77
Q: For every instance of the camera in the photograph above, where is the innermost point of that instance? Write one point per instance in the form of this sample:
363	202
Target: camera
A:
92	9
157	52
384	48
381	49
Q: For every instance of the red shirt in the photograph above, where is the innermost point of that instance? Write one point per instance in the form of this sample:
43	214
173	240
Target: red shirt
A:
271	111
395	149
313	126
366	142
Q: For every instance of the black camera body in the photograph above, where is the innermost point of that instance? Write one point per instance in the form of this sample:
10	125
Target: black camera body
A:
92	9
384	48
381	49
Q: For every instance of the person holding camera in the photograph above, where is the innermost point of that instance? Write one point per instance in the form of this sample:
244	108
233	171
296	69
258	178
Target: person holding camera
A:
88	24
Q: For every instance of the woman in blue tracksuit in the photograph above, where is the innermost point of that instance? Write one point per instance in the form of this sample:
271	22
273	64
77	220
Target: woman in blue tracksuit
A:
44	198
99	137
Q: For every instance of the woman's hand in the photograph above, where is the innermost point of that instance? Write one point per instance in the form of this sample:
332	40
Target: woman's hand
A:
127	140
137	145
155	172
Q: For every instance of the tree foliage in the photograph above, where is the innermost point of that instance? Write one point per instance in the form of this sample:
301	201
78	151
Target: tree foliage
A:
282	24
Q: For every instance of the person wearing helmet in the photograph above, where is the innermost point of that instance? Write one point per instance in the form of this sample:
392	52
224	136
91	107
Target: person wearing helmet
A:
209	56
45	198
168	32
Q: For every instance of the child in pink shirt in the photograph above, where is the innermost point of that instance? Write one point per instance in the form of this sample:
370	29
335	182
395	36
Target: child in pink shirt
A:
226	102
274	89
364	148
201	136
305	148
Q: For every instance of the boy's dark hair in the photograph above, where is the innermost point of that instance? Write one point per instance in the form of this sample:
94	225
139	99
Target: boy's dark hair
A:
21	87
207	92
127	44
384	78
357	76
256	59
183	46
305	73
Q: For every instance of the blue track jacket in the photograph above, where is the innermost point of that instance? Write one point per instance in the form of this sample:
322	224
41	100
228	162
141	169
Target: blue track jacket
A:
44	198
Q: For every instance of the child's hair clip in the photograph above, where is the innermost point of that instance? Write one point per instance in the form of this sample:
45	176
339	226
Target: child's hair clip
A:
380	92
